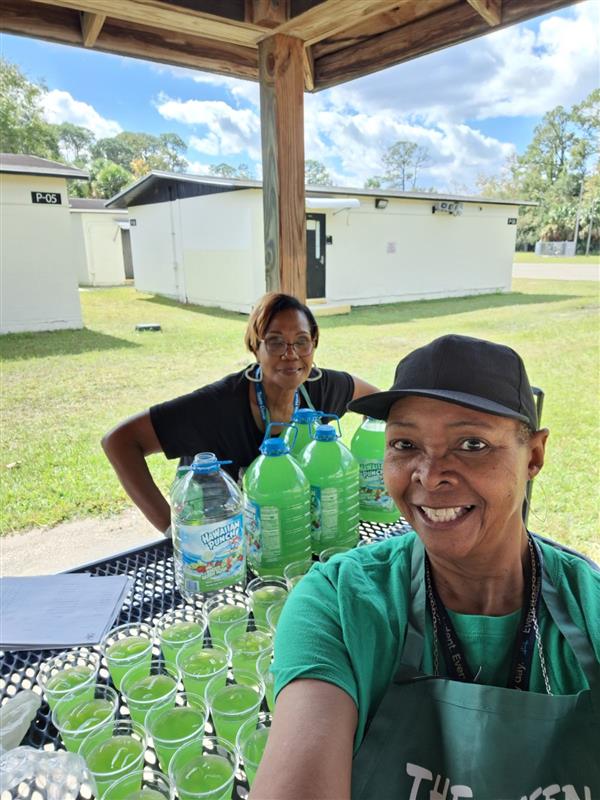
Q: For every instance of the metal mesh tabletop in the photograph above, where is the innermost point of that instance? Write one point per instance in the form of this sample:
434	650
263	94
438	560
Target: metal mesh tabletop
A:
154	592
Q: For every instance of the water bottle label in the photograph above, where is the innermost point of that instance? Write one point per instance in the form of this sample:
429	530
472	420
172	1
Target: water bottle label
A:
213	553
263	530
372	493
324	514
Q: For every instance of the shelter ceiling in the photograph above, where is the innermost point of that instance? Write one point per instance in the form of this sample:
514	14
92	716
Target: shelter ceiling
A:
343	39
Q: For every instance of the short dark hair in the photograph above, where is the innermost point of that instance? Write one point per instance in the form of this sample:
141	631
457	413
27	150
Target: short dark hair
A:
266	308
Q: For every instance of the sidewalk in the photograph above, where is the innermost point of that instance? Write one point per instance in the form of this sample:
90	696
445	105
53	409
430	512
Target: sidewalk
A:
558	272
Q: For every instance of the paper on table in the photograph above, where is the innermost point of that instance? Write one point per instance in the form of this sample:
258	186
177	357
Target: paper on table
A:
53	611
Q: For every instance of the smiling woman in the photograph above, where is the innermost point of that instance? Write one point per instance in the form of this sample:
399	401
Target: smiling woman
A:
229	417
465	655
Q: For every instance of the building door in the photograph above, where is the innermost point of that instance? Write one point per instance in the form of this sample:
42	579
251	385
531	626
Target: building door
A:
127	258
315	255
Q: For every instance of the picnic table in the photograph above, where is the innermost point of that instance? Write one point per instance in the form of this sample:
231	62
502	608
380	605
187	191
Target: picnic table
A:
154	592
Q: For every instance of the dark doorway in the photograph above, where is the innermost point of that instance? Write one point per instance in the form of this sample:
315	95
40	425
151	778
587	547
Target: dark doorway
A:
315	255
127	258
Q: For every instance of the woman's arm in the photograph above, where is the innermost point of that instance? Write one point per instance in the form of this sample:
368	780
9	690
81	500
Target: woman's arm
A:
362	388
309	749
126	447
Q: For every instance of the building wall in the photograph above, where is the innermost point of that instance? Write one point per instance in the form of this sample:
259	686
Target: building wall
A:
38	275
155	267
405	252
99	249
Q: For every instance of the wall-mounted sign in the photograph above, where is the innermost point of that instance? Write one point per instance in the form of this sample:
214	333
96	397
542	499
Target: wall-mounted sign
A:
512	221
133	222
49	198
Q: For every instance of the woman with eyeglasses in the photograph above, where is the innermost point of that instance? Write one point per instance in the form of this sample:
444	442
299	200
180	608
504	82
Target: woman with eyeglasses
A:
229	417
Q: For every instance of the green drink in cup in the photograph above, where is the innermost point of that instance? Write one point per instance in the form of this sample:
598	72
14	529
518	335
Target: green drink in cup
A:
154	786
178	628
77	716
117	756
128	646
330	552
263	593
204	770
295	571
273	614
224	611
235	703
248	646
143	692
172	727
72	672
198	664
251	742
264	670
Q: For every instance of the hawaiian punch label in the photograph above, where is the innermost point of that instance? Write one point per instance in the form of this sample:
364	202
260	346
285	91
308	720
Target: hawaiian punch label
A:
213	554
372	493
324	514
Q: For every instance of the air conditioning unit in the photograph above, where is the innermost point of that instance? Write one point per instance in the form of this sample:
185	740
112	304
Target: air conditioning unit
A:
447	207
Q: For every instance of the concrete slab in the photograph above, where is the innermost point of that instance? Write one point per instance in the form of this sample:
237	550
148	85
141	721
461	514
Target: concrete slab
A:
558	272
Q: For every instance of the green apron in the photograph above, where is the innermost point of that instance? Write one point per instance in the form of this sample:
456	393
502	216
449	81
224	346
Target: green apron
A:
438	739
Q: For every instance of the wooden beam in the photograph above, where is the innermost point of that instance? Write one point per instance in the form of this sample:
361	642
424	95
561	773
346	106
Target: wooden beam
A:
309	70
490	10
168	18
450	26
332	16
91	25
267	13
281	71
62	25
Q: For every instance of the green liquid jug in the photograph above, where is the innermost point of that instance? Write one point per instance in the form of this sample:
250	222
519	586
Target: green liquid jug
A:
368	447
297	436
332	472
276	509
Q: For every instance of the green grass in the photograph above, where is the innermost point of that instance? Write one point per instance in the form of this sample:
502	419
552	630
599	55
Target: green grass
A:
63	390
531	258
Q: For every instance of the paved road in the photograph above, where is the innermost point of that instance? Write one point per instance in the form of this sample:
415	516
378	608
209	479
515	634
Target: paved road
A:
558	272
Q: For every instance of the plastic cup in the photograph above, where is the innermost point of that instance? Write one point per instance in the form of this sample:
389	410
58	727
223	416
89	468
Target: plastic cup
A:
143	691
128	646
251	742
178	628
198	664
224	611
77	716
247	645
273	614
154	786
72	672
329	552
295	571
235	703
204	770
172	727
267	677
263	593
118	756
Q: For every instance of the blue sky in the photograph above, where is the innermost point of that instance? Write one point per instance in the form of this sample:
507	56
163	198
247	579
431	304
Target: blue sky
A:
471	106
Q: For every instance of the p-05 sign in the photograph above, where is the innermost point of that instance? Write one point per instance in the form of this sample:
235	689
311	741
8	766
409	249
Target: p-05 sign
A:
49	198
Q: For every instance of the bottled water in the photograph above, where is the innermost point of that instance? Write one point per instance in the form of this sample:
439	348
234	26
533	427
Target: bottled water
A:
207	526
332	472
368	446
276	509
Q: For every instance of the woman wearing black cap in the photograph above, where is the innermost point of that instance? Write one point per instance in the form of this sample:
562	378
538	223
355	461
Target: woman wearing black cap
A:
458	662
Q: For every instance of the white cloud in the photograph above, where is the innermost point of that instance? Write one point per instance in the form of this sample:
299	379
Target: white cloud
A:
60	106
198	168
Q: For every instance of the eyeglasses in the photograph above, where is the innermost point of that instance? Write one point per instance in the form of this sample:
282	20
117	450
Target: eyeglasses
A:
276	346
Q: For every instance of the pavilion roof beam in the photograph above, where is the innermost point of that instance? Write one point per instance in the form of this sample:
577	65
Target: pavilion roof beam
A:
490	10
91	25
168	18
267	13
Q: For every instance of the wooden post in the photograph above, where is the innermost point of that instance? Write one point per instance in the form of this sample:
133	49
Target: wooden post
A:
281	71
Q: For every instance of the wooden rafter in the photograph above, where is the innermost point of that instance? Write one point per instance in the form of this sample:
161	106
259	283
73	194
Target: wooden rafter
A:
91	25
490	10
268	13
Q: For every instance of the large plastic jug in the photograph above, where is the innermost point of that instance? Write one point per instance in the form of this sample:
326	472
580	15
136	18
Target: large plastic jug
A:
276	508
297	435
207	526
332	472
368	447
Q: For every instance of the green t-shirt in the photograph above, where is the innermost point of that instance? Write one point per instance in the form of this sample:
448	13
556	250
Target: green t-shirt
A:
345	623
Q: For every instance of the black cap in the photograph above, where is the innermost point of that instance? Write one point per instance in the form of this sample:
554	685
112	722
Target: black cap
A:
470	372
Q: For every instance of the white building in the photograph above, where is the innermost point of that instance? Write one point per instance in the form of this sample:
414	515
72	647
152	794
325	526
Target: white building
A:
38	285
101	245
200	240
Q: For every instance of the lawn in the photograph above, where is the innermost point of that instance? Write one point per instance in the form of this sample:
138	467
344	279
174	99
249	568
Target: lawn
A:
63	390
531	258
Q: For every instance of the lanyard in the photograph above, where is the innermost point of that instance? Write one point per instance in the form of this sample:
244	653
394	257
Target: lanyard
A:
456	663
262	403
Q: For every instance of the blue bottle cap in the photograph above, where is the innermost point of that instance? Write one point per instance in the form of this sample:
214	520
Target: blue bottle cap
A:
274	447
305	415
325	433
